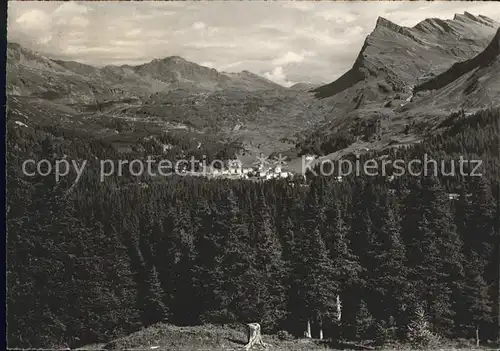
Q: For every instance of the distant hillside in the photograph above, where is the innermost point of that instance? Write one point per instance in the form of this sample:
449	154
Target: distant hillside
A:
163	92
304	86
34	75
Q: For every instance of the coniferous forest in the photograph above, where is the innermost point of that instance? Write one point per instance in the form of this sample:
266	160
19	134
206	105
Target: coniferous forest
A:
94	260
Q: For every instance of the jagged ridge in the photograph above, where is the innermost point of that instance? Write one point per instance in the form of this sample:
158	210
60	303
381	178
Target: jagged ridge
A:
458	69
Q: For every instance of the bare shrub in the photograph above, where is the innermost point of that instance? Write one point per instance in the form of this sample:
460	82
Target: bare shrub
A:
284	335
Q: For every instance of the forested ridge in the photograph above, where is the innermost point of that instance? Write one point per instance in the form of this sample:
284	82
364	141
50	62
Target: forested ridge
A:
97	260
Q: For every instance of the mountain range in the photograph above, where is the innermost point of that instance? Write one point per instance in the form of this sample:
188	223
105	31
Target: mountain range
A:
166	93
405	80
402	83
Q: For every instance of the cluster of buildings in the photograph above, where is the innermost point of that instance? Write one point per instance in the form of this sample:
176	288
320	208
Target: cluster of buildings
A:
456	196
235	169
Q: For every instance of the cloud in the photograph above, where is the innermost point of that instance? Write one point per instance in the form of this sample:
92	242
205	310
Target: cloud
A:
291	57
207	64
299	5
199	25
34	20
45	40
354	31
212	45
133	33
335	16
79	21
70	8
278	76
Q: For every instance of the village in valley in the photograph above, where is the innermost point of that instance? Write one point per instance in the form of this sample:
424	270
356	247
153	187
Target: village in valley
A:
242	167
261	168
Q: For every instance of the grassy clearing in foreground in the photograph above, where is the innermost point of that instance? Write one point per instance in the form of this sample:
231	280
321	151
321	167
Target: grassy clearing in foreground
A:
233	337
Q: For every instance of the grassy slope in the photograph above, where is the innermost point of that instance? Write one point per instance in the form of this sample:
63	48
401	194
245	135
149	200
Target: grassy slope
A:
219	338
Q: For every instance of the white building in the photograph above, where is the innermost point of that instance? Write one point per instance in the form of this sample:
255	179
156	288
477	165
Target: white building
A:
453	196
213	172
235	167
167	147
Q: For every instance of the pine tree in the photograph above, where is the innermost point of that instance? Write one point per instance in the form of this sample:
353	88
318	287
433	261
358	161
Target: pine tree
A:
436	253
150	296
347	272
360	236
480	221
234	256
390	290
365	323
153	307
208	269
271	270
477	301
313	281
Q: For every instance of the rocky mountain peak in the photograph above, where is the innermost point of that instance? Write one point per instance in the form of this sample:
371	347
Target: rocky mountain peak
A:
169	61
436	26
385	23
173	59
473	82
469	17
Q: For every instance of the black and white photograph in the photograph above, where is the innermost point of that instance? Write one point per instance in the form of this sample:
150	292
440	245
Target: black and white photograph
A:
252	175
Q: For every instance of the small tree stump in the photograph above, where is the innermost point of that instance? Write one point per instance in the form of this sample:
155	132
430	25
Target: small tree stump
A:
307	333
254	336
477	336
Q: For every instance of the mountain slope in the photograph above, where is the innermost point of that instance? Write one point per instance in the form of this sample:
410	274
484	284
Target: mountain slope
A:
401	55
470	83
164	92
484	59
304	86
32	74
68	83
373	104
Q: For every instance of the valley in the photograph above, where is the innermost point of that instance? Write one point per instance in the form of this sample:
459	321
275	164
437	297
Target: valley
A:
395	88
132	260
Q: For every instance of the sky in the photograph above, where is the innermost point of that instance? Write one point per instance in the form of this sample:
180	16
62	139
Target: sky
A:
287	42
